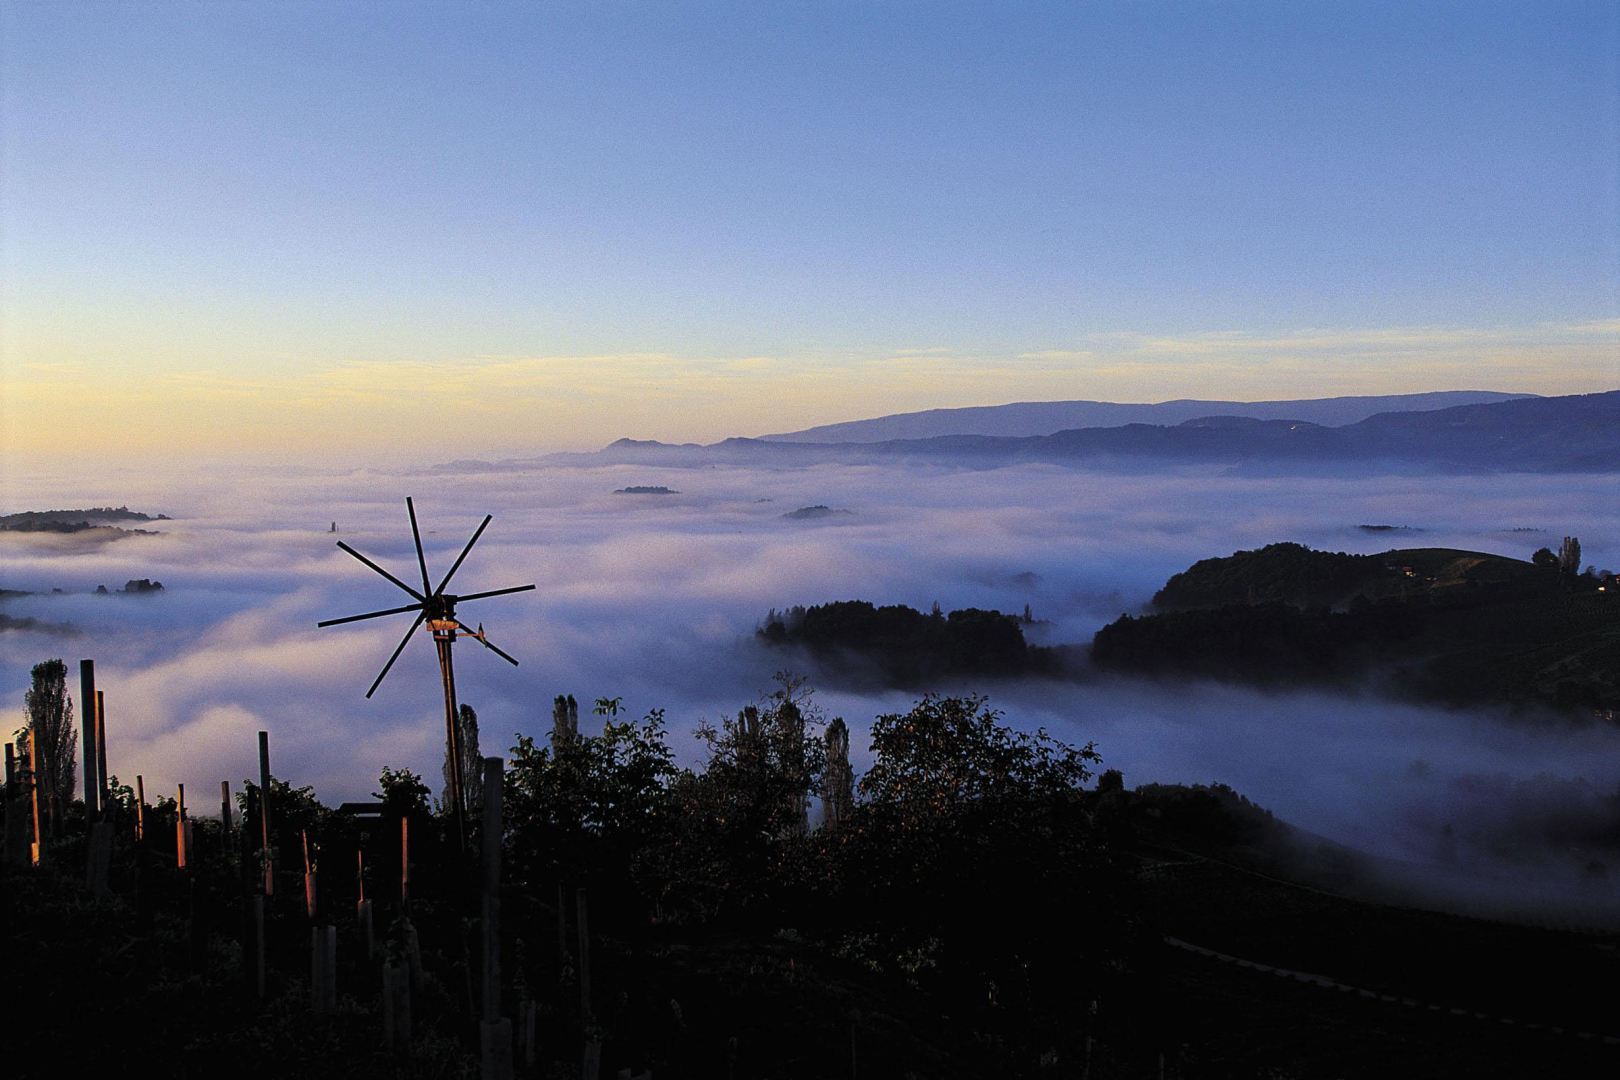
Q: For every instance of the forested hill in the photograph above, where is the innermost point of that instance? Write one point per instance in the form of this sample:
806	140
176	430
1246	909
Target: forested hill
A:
67	521
1297	575
1439	624
901	646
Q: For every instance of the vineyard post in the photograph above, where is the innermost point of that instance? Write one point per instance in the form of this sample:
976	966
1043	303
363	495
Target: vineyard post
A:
15	842
492	888
362	907
583	921
87	722
225	822
140	808
33	793
592	1063
404	864
101	747
562	925
496	1031
252	901
264	815
181	830
309	880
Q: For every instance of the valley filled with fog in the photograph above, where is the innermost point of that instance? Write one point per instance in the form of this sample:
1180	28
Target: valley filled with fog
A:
655	598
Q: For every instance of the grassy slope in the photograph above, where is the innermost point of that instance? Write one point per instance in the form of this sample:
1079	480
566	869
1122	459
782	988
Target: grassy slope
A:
1222	891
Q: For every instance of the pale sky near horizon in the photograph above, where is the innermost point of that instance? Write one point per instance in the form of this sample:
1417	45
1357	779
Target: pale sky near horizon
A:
346	228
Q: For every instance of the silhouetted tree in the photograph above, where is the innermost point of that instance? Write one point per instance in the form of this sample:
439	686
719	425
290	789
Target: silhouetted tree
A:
403	792
50	720
975	852
564	720
1545	557
837	778
765	756
583	808
906	646
734	822
949	755
1569	556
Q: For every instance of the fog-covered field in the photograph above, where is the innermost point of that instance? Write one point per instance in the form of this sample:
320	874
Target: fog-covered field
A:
655	599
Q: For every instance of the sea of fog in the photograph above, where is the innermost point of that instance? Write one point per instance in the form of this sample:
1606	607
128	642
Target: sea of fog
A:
655	599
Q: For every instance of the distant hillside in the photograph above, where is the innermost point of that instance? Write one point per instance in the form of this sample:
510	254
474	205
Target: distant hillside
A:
814	513
1297	575
1580	433
1462	627
1046	417
900	646
76	521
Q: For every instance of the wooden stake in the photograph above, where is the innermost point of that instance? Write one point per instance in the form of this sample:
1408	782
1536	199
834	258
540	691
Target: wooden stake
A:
591	1064
101	748
16	823
317	970
309	879
323	968
527	1011
226	825
326	948
98	858
583	920
264	815
182	833
87	725
140	807
404	863
397	1007
492	889
258	944
388	1006
562	925
495	1039
196	927
38	854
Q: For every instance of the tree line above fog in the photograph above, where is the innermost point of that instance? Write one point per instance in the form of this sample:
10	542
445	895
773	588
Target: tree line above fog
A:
1428	624
901	646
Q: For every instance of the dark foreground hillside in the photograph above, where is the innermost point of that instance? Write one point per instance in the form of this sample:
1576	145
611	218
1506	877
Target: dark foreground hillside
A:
981	905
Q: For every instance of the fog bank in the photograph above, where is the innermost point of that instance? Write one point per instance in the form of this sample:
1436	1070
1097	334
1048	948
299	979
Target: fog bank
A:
655	598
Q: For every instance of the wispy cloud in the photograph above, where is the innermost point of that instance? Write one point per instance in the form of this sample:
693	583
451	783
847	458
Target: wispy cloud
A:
518	404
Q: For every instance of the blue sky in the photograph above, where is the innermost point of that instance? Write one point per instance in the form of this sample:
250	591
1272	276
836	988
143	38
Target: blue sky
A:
742	216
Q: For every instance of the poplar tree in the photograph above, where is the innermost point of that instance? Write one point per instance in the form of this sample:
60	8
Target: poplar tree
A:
564	721
50	720
838	779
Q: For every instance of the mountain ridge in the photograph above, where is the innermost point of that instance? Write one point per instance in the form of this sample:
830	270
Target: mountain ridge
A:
1575	433
1026	418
